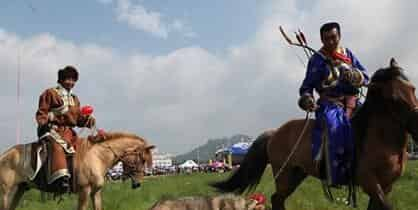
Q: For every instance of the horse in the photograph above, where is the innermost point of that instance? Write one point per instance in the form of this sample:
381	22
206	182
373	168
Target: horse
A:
380	128
92	160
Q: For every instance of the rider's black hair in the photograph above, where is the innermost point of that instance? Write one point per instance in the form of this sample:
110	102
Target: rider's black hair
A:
329	26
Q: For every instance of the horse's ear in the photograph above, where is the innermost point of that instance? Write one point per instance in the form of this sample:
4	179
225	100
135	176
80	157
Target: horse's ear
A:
393	63
150	147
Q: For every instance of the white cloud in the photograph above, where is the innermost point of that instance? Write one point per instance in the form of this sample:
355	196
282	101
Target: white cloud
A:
180	99
140	18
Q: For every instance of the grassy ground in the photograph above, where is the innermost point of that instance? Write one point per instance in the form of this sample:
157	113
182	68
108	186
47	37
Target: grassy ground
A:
309	196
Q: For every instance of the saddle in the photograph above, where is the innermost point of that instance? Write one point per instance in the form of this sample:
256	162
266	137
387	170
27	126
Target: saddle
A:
36	167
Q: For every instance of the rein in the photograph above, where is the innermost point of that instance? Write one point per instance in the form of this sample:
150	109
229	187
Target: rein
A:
295	147
126	164
118	158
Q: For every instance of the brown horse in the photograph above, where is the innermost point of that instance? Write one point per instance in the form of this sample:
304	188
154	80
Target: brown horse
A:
91	163
380	128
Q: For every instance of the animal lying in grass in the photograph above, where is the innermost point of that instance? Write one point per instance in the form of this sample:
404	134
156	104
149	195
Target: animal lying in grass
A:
219	202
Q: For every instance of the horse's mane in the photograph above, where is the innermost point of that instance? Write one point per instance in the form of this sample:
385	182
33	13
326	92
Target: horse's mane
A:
387	74
86	144
110	136
375	102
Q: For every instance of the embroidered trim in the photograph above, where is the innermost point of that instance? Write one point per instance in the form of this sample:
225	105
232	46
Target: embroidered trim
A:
67	148
58	174
68	100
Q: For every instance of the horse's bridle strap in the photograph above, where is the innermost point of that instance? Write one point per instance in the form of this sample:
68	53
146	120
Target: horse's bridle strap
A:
114	153
121	158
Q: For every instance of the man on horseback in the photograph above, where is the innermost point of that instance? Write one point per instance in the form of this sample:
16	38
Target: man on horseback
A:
57	115
337	76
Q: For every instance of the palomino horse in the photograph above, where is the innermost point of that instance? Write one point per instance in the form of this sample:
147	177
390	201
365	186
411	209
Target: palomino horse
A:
380	129
91	163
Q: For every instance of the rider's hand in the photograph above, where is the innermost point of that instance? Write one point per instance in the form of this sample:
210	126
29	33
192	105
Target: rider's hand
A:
307	103
91	122
43	129
353	76
347	76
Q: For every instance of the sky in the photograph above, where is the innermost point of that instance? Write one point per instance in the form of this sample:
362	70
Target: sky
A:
181	72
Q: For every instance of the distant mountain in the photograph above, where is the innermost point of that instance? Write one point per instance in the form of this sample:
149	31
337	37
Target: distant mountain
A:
207	151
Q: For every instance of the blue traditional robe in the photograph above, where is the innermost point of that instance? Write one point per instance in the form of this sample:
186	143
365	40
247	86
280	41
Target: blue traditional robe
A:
340	146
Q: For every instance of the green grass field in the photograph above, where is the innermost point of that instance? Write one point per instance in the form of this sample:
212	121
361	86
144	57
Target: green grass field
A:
309	196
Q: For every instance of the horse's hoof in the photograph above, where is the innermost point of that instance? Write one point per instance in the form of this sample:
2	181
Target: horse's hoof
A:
136	185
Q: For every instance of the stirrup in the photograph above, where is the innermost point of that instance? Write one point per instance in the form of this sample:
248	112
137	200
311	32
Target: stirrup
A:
63	184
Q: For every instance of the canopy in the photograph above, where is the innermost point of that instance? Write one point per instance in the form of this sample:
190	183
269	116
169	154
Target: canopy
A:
188	164
240	148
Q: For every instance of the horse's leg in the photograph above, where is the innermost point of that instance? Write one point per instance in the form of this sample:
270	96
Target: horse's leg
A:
10	176
17	196
376	204
96	199
377	195
83	197
7	191
5	199
286	184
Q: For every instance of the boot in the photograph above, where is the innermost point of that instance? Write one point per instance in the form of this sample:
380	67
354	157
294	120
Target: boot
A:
63	184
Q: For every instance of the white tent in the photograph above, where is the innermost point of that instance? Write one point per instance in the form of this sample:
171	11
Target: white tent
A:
188	164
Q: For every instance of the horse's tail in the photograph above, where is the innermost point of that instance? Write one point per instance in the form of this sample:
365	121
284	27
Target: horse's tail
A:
251	169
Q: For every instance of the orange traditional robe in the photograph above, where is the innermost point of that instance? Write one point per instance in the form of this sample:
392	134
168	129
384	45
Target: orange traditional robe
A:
60	110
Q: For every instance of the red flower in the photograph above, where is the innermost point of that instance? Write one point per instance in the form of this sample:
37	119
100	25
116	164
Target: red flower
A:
259	197
86	110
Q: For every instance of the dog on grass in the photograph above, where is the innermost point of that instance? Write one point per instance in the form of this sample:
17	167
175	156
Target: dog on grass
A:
219	202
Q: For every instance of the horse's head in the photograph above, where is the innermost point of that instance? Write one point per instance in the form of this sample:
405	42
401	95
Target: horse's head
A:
135	161
391	92
392	85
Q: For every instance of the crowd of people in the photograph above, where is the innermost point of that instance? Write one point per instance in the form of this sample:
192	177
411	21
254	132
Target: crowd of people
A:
116	173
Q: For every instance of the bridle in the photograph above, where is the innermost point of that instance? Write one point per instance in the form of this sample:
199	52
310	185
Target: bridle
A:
130	167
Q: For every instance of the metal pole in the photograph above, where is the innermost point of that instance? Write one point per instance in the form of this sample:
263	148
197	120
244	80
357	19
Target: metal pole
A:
198	158
18	114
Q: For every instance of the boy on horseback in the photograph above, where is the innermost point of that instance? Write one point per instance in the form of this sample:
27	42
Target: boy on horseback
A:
336	75
57	115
